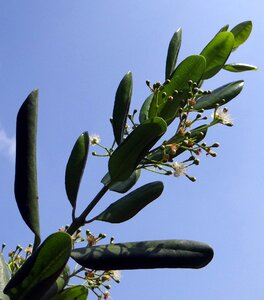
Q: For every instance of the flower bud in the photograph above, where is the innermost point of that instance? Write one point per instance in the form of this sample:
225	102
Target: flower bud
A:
215	145
213	154
164	94
196	161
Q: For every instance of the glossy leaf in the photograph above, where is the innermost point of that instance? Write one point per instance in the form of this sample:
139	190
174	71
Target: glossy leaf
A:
41	269
75	167
192	68
238	67
144	111
78	292
4	277
145	255
58	285
128	206
241	33
26	191
121	107
217	52
227	92
128	154
173	51
122	186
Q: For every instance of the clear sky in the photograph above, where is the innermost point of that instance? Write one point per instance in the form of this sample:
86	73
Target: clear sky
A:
76	52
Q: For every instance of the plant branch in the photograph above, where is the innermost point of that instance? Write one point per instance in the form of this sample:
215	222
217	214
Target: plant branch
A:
80	221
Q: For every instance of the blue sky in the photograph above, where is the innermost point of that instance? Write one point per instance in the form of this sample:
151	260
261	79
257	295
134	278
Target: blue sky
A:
76	52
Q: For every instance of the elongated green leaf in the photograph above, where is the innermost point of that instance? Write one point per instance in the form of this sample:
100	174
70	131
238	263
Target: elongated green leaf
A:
238	67
192	68
78	292
241	33
173	51
145	255
26	191
167	101
121	107
144	111
58	285
41	269
122	186
4	277
75	167
128	154
128	206
227	92
217	52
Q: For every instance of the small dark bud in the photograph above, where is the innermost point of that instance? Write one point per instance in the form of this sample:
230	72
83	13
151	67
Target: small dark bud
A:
213	154
164	94
102	235
196	161
148	83
215	145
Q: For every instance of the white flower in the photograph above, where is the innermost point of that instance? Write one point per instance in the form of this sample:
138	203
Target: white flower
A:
94	139
179	169
223	116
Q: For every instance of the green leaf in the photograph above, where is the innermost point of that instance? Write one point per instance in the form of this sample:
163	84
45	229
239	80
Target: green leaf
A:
121	107
4	277
224	28
226	92
238	67
128	206
26	191
145	255
217	52
192	68
122	186
41	269
173	51
58	285
75	167
144	111
78	292
241	33
128	154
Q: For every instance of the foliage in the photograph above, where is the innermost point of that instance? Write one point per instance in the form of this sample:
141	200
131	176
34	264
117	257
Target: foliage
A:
43	272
